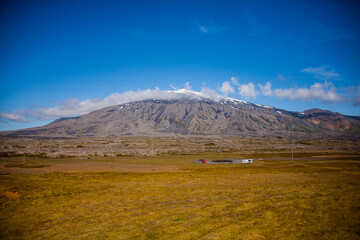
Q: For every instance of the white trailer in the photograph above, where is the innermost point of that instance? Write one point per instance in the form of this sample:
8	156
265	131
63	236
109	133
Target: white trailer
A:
246	161
242	160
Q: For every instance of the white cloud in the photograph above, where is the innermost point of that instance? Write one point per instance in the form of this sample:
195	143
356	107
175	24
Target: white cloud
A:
280	77
16	116
75	107
325	92
209	28
203	29
321	72
248	90
266	90
209	93
356	100
226	88
234	81
173	87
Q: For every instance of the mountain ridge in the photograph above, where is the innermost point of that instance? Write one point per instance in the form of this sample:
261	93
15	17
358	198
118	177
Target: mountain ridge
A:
194	114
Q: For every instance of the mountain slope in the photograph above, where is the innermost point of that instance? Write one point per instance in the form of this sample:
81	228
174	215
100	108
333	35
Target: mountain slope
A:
195	115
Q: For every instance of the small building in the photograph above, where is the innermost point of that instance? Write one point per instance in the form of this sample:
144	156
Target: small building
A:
242	160
246	161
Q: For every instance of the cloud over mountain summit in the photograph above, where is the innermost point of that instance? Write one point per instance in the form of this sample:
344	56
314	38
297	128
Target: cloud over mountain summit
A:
75	107
324	92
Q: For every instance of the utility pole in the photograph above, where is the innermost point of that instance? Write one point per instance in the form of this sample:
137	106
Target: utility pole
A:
24	159
292	155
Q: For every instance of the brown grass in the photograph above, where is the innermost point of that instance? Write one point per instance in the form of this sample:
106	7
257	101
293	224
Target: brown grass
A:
311	199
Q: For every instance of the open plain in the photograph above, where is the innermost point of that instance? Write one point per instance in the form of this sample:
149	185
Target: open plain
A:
178	120
296	190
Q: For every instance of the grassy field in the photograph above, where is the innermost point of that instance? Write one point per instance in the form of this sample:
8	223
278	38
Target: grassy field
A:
174	198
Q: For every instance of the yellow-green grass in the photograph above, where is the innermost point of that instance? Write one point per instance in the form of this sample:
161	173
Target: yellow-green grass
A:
264	200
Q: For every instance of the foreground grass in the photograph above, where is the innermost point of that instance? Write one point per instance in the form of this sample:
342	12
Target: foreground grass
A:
264	200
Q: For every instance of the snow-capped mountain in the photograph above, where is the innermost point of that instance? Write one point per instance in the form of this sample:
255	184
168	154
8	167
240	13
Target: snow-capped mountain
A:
188	112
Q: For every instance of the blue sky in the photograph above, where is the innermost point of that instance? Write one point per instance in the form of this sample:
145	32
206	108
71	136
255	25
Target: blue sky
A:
57	56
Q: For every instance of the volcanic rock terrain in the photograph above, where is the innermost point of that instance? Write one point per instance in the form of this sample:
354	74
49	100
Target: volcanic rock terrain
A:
196	116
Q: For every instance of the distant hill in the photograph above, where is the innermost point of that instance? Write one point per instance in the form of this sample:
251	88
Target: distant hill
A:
196	116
